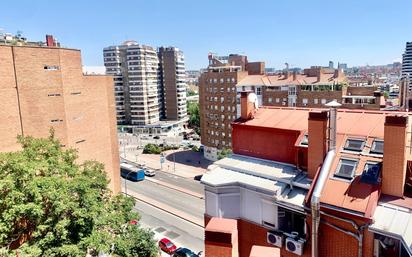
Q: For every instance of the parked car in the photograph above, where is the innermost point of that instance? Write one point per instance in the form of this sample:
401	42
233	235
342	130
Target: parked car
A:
149	172
184	252
167	246
156	137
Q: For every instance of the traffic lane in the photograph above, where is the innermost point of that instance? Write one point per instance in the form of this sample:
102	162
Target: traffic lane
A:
176	199
190	184
163	224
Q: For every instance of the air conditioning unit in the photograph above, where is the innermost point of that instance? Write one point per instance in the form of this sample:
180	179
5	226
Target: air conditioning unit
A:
274	238
294	245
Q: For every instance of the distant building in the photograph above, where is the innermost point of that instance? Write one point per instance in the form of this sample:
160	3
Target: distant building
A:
135	71
43	88
172	77
331	66
343	66
217	97
406	78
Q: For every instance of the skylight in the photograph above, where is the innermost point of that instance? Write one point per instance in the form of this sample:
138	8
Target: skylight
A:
346	169
377	147
371	173
354	144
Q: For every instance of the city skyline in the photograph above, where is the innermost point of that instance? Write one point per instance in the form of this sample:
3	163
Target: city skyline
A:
300	33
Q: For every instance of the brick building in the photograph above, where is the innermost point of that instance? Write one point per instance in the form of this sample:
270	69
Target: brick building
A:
312	182
43	88
217	98
227	76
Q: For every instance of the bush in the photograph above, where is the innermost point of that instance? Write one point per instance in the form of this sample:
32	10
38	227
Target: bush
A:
195	149
156	149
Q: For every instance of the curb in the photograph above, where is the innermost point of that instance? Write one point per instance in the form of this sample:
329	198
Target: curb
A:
180	189
168	209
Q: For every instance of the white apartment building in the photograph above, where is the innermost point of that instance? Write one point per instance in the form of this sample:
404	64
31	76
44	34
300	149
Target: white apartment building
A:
135	71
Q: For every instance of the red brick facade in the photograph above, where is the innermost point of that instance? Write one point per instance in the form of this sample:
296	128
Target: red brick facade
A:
43	88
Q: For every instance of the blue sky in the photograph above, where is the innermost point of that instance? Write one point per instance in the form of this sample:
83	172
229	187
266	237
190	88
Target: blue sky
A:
300	32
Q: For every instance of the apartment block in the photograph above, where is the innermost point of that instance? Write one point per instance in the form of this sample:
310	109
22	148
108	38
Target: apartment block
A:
217	97
313	88
172	76
43	88
227	76
406	82
311	182
134	68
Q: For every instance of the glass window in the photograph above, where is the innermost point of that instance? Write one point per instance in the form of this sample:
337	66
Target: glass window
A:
346	169
371	173
305	140
354	145
377	147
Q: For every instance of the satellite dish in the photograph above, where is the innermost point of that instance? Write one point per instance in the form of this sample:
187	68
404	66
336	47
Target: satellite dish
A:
252	98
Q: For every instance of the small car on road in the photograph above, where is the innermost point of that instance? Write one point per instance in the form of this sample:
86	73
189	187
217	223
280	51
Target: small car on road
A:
149	172
184	252
167	246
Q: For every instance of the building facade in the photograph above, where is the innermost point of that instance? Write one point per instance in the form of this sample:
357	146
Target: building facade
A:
43	88
311	182
406	82
134	68
217	98
172	76
226	77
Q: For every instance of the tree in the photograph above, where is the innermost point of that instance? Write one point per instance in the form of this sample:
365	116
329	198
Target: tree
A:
223	153
194	118
52	206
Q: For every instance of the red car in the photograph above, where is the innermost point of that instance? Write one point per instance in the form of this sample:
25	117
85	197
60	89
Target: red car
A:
167	246
133	222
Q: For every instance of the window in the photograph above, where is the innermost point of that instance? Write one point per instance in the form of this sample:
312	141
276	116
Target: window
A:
323	101
354	145
54	94
371	173
55	67
290	221
80	141
277	100
315	101
305	101
304	140
270	99
346	169
259	91
377	147
75	93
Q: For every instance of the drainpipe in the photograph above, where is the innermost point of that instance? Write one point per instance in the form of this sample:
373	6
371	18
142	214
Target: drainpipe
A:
323	175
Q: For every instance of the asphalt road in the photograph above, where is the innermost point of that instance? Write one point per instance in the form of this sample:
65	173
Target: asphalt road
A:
178	200
163	224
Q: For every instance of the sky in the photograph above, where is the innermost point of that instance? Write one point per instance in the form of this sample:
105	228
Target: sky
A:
300	32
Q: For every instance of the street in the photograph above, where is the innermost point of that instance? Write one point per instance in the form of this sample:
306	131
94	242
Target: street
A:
164	202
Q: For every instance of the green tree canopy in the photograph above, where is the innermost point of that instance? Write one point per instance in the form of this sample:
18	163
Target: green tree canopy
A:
52	206
194	116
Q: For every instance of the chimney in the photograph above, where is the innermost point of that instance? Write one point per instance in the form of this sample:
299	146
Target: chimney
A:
394	155
317	140
50	41
247	107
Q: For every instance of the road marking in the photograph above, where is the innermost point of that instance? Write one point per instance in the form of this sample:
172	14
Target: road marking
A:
177	188
166	208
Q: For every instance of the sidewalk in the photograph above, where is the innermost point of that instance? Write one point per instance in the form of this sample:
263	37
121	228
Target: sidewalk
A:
166	208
